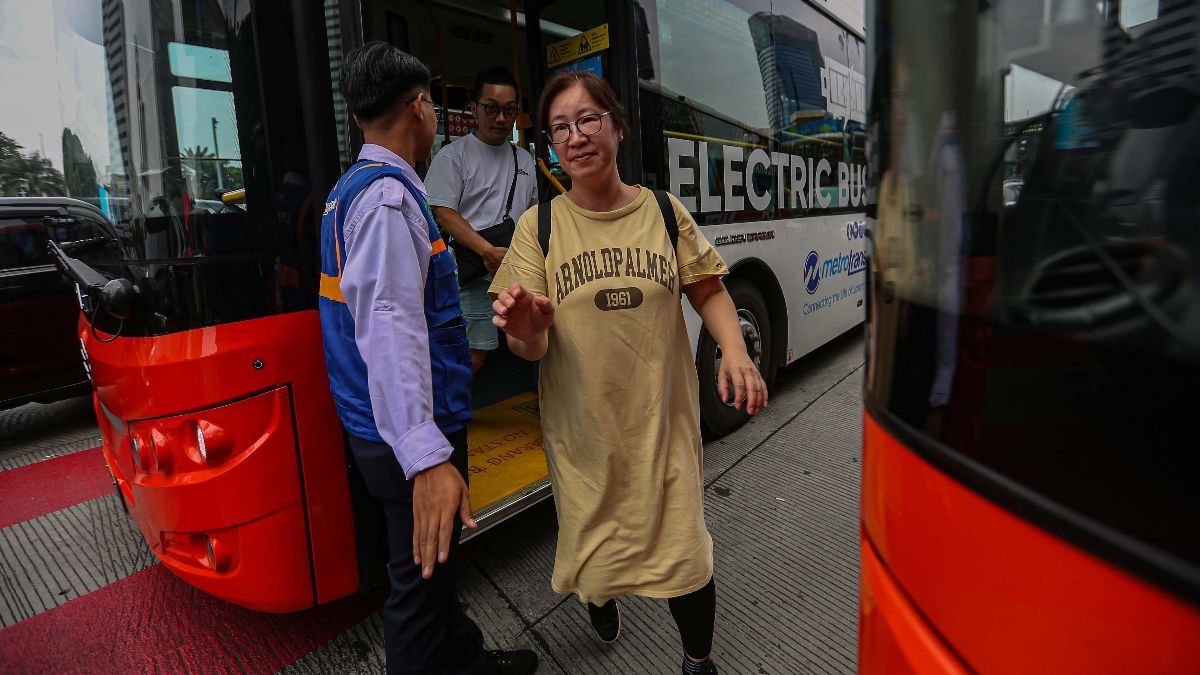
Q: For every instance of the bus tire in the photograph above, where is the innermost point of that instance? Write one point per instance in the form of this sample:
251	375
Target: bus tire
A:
716	417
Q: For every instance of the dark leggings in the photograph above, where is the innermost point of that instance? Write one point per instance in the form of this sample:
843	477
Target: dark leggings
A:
695	614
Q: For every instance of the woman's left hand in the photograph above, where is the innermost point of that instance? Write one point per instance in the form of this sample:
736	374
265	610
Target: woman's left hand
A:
739	374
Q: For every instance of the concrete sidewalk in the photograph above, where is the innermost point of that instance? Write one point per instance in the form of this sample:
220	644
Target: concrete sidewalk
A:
782	506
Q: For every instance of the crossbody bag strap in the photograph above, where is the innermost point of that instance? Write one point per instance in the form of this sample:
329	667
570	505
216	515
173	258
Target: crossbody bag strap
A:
544	228
512	188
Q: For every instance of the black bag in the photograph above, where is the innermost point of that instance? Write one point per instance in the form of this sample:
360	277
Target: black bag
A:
470	263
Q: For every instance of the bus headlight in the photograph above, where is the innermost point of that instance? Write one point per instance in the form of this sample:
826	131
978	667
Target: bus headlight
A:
135	453
202	448
160	451
217	554
212	443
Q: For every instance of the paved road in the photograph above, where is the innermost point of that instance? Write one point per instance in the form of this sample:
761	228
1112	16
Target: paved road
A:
80	592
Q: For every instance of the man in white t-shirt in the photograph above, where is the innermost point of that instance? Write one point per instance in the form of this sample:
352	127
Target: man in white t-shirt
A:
469	181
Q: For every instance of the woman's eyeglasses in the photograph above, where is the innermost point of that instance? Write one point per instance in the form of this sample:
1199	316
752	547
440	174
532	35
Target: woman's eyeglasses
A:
587	125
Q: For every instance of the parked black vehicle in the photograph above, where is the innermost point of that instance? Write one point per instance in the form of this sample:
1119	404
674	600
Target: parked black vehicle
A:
40	352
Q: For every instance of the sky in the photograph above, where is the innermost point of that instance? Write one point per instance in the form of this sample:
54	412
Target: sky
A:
53	77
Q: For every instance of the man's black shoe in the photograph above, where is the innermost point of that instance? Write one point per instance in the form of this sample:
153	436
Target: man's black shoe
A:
516	662
705	668
606	620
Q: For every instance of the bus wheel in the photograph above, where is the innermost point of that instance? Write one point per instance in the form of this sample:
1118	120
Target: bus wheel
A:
717	417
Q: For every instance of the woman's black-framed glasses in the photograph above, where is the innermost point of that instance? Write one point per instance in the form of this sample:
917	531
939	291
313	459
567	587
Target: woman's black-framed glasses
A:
437	109
588	125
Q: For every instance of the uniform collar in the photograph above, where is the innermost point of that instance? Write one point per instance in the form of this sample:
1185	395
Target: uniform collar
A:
378	153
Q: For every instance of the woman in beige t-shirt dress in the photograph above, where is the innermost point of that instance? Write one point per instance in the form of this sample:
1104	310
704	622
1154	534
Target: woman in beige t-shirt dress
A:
601	309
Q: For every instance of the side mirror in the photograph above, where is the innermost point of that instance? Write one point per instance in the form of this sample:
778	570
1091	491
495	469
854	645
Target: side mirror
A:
119	297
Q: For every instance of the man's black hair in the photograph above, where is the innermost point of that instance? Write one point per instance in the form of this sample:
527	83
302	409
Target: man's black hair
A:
494	75
375	76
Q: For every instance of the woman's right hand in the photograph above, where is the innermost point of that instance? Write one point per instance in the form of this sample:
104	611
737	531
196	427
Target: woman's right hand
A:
522	314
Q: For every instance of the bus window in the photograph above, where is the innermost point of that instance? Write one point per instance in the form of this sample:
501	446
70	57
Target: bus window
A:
786	141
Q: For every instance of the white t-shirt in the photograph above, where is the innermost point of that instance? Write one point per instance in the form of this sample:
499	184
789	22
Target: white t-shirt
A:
473	178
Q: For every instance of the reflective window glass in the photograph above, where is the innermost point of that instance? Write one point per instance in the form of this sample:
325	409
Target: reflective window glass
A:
157	112
782	134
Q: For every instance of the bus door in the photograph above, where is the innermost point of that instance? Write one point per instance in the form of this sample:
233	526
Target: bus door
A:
589	36
457	40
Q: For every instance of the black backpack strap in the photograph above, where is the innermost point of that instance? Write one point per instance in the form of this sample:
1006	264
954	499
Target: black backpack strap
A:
668	214
544	227
664	205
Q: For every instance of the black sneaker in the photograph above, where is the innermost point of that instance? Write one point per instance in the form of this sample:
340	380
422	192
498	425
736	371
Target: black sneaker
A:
606	620
692	668
516	662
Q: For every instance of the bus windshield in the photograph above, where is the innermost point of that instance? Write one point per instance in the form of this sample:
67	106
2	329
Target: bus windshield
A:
154	111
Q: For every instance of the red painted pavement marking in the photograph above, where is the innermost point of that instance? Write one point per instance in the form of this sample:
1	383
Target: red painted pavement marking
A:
37	489
153	622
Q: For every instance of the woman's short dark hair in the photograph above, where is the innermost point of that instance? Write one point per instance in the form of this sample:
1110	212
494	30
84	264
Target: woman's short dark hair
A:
375	76
595	86
494	75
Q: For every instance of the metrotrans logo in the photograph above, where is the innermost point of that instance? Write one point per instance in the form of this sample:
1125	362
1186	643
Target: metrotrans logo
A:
816	269
812	272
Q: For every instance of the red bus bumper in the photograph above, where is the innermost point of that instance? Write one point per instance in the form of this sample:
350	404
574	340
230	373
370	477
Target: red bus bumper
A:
226	449
893	637
952	582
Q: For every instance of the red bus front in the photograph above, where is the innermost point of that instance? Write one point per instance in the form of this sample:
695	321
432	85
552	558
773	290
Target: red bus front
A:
1033	370
220	134
211	393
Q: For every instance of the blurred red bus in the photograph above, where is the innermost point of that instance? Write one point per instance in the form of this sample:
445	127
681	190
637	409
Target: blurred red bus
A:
1033	370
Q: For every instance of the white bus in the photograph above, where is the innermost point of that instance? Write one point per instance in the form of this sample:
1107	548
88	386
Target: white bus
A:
752	113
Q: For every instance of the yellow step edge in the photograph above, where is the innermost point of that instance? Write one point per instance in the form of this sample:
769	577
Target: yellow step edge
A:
504	450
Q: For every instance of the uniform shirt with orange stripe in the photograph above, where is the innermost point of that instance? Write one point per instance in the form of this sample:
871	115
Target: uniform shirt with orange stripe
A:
383	283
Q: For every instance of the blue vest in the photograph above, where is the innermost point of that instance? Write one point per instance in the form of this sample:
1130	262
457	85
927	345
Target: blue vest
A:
449	357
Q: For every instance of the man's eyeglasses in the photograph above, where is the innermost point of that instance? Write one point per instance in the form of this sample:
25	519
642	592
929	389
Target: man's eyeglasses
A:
492	110
437	109
587	125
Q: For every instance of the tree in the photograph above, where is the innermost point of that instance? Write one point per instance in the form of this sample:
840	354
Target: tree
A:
43	179
232	172
198	152
80	172
27	175
12	167
8	147
204	163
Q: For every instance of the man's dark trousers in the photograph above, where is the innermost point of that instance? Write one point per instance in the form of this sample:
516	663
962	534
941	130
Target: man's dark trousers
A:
425	629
